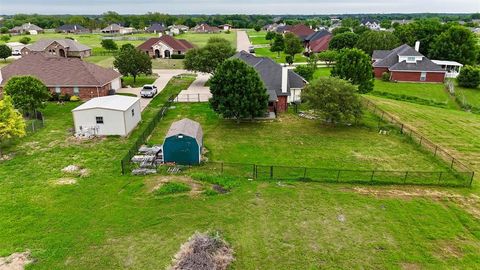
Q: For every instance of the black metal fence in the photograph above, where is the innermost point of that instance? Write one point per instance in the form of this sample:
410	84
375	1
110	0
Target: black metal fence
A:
142	138
273	172
418	138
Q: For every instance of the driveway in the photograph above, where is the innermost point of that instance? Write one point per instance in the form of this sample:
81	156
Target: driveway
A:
243	42
197	92
164	76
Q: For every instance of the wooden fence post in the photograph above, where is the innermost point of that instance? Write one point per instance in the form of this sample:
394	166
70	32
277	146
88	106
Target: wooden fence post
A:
453	160
373	173
436	148
271	172
440	177
304	172
405	178
222	167
338	175
471	179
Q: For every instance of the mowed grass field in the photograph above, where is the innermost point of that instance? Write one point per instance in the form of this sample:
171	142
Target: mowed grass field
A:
457	131
110	221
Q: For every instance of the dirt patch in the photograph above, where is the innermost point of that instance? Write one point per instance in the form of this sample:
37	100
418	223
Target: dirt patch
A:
66	181
155	183
16	261
410	266
76	170
449	249
220	189
469	203
203	252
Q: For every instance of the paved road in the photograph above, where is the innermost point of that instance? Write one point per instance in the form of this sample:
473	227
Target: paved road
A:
164	75
243	42
197	92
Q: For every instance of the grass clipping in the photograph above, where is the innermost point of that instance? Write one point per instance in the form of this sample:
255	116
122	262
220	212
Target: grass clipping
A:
203	252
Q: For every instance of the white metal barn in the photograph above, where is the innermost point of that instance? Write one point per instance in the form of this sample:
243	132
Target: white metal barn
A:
110	115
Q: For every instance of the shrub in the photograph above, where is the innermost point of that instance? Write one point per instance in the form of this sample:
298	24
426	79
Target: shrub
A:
55	96
386	76
25	40
74	98
172	188
469	77
305	71
178	56
65	97
289	59
71	38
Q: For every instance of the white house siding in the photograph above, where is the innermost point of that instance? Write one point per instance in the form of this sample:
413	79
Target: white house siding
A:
131	121
116	84
162	48
295	95
113	122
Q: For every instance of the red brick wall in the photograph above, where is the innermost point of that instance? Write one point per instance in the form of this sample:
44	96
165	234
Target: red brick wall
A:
85	93
282	104
379	71
415	76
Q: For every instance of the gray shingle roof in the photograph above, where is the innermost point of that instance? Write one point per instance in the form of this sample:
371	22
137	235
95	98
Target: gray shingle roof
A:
424	65
317	35
271	74
156	27
71	27
380	54
389	59
72	45
186	127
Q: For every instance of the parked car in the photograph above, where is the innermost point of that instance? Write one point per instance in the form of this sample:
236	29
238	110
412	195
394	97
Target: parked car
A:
148	90
251	49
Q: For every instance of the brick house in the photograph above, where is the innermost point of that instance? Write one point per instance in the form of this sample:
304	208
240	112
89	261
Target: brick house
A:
205	28
72	29
64	75
27	28
283	85
58	47
300	30
317	42
406	64
165	46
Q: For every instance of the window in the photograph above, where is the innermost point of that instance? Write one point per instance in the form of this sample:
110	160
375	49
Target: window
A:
423	76
411	59
99	119
58	90
76	91
133	112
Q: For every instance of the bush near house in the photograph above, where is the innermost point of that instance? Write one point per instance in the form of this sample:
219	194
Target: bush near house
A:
386	76
469	77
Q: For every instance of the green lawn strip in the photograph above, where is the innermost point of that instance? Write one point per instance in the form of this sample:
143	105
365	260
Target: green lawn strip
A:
257	38
456	131
139	82
468	97
200	39
265	52
321	72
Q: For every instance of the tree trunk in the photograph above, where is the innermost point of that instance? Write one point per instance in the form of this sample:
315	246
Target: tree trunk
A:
134	78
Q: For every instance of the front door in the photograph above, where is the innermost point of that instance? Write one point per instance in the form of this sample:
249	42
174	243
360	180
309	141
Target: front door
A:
157	54
167	54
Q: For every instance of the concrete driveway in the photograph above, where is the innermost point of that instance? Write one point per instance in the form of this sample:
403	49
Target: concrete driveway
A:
197	92
243	42
164	76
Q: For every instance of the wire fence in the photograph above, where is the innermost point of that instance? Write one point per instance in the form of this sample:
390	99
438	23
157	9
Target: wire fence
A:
275	172
143	137
418	138
34	124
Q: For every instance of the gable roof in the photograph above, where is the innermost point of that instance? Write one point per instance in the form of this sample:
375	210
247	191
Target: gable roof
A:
156	27
389	59
320	45
175	44
369	21
112	27
115	102
59	71
206	28
301	30
27	27
318	35
72	45
271	74
186	127
71	27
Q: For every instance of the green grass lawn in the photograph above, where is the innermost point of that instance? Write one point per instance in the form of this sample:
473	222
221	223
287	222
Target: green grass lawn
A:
457	131
139	82
294	141
426	93
468	95
322	72
110	221
257	38
265	52
201	40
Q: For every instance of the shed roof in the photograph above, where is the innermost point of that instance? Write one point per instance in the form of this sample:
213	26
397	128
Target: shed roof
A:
186	127
116	102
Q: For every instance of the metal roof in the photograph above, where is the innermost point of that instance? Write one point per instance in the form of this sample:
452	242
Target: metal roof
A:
115	102
447	63
186	127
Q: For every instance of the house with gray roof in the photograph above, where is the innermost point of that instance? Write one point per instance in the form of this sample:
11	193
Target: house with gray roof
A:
156	28
59	47
25	28
405	63
283	84
72	29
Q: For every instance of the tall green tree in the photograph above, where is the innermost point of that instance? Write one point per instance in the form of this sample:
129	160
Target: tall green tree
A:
208	58
5	52
131	62
28	93
458	43
469	77
350	22
423	30
270	36
333	99
12	124
5	38
328	56
386	23
278	44
341	30
293	44
355	66
343	40
377	40
237	91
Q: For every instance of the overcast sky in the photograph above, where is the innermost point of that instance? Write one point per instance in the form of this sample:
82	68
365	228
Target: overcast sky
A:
238	6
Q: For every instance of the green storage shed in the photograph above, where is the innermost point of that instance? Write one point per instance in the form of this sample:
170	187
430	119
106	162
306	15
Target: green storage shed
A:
183	143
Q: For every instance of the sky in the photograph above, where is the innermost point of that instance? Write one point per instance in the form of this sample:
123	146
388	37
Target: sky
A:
306	7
